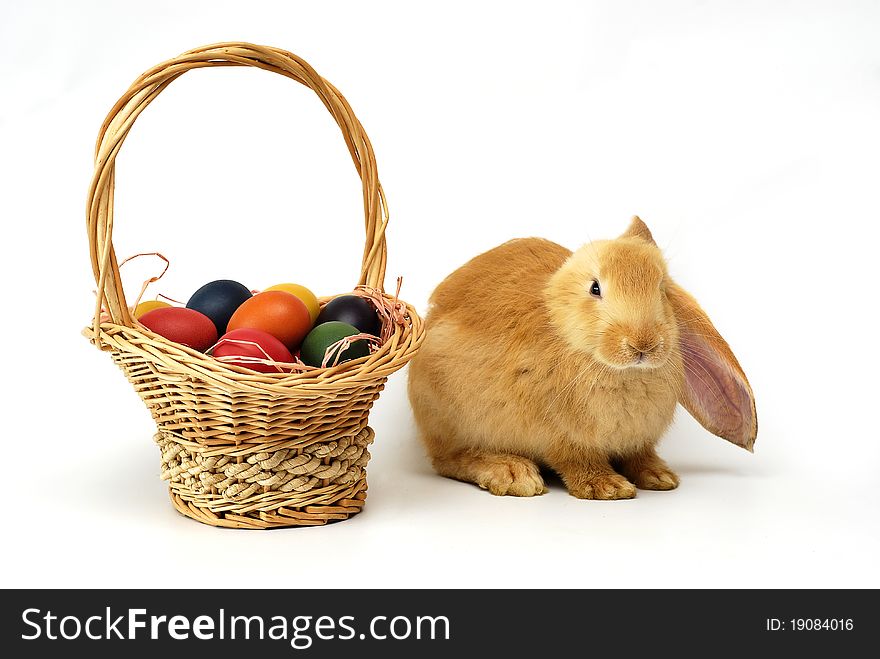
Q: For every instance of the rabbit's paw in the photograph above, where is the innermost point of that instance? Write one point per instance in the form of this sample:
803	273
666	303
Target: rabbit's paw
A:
606	486
509	475
648	472
660	478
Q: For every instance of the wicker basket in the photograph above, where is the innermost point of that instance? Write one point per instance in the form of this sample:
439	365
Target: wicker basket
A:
239	448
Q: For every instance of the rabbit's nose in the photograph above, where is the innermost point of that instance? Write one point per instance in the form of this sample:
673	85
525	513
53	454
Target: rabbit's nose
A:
644	346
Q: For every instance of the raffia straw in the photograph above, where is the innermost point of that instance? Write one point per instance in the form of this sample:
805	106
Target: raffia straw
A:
105	314
297	365
344	343
333	350
151	280
170	299
391	311
244	359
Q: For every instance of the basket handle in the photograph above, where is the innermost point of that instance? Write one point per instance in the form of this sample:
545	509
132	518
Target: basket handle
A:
99	212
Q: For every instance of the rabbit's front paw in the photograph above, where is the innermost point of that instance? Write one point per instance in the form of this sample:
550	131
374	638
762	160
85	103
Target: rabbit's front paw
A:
500	473
603	486
510	475
648	471
660	478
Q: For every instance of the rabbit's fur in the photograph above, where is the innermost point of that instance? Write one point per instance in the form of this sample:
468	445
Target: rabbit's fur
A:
522	366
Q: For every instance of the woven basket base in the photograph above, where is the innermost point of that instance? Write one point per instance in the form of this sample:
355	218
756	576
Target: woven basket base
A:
280	518
286	482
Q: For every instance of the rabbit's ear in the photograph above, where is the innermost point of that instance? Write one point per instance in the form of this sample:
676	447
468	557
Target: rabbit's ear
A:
716	391
639	229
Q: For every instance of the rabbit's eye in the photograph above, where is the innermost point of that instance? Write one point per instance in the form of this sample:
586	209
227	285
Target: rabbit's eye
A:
595	291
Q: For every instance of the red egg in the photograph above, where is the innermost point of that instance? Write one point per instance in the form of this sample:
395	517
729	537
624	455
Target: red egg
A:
182	325
279	313
252	344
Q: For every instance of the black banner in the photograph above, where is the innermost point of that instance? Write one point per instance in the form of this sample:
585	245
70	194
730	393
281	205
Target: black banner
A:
318	623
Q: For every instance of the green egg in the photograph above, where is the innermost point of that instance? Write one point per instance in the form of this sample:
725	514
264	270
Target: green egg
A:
326	334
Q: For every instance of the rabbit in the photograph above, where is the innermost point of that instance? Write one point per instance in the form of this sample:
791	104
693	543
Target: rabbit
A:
536	356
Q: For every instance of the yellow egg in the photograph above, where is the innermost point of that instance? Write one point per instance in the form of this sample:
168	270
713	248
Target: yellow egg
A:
147	306
308	298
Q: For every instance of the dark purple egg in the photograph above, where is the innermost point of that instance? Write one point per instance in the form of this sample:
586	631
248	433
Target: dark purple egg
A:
353	310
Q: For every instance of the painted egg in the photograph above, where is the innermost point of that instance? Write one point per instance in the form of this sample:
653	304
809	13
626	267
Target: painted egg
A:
147	306
326	334
280	314
218	300
353	310
181	325
308	298
249	345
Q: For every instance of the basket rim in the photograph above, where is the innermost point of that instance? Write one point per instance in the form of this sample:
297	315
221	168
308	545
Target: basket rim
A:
176	359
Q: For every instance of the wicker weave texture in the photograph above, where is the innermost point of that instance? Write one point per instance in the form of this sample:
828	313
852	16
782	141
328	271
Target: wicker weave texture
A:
240	448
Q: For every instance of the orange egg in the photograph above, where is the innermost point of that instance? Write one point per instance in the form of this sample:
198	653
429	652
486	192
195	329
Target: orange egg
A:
303	294
278	313
147	306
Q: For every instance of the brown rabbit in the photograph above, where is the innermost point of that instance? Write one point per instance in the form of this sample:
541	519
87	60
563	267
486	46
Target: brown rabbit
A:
535	355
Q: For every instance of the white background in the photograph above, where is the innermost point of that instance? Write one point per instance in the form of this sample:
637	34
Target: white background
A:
745	134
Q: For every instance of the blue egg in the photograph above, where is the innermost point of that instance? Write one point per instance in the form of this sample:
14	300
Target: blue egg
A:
218	300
